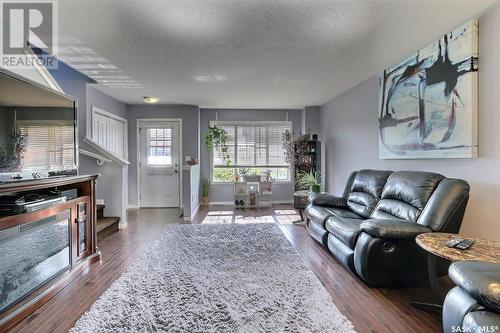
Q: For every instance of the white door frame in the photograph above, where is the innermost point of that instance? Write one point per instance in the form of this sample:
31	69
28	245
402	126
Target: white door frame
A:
141	121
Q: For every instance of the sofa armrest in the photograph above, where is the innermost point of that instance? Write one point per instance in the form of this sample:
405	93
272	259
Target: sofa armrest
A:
327	200
477	278
393	229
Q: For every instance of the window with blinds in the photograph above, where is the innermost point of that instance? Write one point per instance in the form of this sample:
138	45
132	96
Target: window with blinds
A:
50	145
254	146
159	147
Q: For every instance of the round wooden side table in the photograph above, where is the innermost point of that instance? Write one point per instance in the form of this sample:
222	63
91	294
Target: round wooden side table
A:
433	244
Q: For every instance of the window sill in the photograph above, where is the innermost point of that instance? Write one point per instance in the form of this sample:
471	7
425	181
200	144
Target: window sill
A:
286	182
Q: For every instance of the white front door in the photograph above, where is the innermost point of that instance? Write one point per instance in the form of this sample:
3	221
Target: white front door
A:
159	159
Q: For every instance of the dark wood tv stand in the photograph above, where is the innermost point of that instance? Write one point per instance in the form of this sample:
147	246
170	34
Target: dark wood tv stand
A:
80	212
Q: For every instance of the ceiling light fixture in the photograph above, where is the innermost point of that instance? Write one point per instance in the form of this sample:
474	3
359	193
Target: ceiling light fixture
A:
210	78
150	99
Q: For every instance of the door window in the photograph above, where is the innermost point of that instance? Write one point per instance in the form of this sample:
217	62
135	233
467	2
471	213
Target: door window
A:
159	147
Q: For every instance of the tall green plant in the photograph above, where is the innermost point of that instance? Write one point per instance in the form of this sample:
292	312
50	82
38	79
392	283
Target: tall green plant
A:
216	138
205	187
309	180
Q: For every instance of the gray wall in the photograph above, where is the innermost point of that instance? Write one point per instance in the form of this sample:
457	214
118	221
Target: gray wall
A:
189	116
224	192
109	184
75	84
312	122
104	102
349	125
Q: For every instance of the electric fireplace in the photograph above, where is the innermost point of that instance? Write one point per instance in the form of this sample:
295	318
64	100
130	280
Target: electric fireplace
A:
33	253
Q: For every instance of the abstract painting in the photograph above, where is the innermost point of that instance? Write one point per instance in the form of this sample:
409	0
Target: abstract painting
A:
428	102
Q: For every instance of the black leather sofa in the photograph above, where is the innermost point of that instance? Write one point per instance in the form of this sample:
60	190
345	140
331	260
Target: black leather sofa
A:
474	304
371	229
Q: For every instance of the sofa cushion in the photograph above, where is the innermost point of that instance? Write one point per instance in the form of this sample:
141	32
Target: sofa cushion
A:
318	232
342	252
343	213
345	229
478	279
405	195
394	229
366	190
319	214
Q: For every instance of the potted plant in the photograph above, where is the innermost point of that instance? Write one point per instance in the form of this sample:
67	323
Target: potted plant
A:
250	176
243	172
216	138
17	146
309	180
247	175
205	190
267	176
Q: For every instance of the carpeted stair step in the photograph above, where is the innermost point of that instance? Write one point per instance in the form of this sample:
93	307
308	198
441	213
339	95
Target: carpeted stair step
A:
106	226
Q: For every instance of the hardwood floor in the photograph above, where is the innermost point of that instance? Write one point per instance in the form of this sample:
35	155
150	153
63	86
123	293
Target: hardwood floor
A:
369	309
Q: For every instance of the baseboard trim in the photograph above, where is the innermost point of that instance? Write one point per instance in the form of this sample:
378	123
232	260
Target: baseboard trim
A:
189	219
196	210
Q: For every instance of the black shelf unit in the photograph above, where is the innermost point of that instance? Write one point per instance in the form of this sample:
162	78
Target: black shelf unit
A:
307	157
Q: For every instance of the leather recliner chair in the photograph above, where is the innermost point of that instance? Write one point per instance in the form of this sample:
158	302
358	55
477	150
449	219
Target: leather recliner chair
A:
474	304
371	229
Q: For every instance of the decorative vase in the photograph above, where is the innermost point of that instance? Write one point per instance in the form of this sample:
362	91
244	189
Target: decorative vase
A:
315	188
205	202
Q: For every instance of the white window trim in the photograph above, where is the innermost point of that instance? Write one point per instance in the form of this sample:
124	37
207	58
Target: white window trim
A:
253	123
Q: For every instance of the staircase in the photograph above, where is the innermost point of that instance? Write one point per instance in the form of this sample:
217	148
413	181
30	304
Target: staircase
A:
105	225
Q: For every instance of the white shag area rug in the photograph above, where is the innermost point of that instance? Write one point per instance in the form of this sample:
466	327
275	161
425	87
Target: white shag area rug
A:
216	278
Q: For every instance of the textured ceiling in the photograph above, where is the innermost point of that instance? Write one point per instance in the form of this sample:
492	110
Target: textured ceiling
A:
247	54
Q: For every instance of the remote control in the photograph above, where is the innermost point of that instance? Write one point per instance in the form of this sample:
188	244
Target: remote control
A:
464	245
453	242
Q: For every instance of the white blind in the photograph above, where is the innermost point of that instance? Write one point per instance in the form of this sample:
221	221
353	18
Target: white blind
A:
159	146
253	145
49	145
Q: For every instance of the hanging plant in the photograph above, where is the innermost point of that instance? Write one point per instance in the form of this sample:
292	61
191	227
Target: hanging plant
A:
215	138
